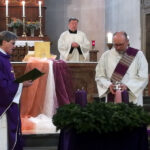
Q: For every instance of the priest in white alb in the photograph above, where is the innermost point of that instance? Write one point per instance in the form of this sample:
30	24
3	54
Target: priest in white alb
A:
125	65
73	44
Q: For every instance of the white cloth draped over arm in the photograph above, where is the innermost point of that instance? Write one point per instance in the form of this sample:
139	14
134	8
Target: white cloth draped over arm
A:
18	94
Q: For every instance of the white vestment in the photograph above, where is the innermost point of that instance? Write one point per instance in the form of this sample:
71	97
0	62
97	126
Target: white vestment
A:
64	46
136	77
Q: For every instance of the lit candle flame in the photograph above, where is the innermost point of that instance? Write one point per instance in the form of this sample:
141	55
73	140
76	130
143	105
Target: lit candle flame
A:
109	37
6	8
23	8
40	3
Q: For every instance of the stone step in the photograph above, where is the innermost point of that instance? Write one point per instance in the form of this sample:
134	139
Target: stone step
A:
146	100
147	107
40	148
41	140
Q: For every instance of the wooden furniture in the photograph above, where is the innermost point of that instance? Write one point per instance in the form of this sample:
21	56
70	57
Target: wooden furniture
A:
23	45
83	76
93	55
31	14
45	38
15	11
19	53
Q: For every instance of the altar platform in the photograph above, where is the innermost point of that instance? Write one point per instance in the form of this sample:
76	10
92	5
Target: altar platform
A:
41	141
50	141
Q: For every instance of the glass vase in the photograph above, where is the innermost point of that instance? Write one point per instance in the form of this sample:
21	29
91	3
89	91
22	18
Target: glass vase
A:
15	30
32	32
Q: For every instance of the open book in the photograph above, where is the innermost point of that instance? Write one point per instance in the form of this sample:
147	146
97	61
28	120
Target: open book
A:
31	75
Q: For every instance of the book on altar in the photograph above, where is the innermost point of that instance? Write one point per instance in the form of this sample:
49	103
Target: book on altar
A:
42	49
31	75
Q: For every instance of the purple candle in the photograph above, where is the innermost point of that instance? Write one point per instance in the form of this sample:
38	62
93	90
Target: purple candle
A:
81	97
125	96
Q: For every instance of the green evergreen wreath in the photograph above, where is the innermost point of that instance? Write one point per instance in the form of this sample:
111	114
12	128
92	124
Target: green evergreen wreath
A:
101	117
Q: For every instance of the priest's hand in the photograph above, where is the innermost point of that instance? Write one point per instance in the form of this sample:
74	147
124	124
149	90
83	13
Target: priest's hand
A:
27	83
123	87
75	45
111	89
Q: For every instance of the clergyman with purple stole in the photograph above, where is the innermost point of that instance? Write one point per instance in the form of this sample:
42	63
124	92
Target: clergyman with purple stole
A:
122	72
10	124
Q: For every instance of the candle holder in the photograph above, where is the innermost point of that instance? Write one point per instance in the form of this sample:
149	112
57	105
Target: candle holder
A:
40	35
110	45
93	55
93	47
7	23
24	33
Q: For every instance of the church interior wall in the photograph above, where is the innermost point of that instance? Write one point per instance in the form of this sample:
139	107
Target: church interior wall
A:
96	18
91	15
125	16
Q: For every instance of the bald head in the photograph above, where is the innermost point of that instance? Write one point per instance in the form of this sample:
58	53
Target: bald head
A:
120	41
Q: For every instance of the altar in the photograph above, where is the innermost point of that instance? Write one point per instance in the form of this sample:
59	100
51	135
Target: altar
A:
61	82
83	76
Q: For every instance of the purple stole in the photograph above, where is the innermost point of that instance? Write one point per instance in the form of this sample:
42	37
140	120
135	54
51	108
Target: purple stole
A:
121	70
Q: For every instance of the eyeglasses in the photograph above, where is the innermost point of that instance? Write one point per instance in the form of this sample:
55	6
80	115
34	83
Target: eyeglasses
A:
117	45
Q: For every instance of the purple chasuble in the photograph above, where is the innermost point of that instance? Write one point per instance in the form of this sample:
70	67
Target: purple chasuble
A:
8	90
121	70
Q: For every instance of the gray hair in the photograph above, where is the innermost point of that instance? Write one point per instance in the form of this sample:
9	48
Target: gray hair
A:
73	19
7	36
123	33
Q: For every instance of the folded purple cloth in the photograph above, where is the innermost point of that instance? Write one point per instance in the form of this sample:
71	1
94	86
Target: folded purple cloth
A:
63	83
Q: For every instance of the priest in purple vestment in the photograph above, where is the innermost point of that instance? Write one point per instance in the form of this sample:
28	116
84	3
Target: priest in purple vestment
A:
10	92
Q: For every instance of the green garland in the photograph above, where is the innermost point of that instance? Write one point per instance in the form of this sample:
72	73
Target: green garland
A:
101	117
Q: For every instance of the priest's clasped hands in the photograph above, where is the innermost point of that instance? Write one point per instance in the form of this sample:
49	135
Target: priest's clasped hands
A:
74	45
